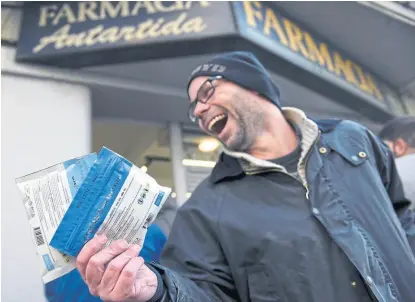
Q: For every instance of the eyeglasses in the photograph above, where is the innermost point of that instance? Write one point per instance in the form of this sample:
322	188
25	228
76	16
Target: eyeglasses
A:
203	95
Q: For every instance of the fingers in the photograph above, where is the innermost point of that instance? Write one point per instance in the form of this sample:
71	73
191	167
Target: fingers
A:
110	273
90	249
125	286
97	263
115	267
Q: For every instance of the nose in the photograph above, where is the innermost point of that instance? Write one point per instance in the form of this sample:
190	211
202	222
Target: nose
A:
200	109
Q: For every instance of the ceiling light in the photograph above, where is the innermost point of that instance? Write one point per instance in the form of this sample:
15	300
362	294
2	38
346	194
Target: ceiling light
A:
173	195
208	145
198	163
144	169
188	194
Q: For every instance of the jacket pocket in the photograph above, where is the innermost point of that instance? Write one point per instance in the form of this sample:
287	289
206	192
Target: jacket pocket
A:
260	288
353	152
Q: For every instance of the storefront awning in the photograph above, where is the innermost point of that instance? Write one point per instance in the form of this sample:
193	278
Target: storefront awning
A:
80	34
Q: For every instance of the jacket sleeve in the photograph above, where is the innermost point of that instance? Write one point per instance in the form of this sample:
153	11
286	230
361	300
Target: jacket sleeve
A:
393	185
193	266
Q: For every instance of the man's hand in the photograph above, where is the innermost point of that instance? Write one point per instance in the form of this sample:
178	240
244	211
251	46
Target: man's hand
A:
116	273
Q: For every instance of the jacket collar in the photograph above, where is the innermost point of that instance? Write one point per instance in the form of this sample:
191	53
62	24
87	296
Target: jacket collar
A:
237	164
309	134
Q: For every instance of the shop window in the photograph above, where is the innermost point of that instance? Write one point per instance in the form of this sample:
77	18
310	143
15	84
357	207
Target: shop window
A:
147	146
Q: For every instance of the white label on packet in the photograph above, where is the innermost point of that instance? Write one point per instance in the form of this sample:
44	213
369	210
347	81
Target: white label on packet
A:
46	201
134	209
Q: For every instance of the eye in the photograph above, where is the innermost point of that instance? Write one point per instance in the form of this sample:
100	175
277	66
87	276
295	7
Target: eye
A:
204	94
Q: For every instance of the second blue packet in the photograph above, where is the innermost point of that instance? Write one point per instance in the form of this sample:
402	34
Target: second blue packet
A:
116	199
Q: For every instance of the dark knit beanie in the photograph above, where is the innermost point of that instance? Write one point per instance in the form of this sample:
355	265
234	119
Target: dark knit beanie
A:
243	69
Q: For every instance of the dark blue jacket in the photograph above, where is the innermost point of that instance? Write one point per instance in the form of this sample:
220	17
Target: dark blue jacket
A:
240	238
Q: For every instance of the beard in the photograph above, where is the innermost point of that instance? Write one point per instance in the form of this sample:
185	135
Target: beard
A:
249	120
238	142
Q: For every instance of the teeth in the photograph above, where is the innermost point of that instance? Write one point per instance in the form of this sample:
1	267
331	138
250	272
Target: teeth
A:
214	120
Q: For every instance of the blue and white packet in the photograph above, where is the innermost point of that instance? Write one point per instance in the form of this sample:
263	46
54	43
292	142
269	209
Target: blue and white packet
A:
116	199
47	194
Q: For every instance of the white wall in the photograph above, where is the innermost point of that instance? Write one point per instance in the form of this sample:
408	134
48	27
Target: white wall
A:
42	123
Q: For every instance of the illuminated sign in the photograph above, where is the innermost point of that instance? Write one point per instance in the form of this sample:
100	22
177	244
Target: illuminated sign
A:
260	22
78	34
55	29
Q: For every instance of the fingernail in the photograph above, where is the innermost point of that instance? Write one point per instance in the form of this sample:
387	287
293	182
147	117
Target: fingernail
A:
135	248
122	244
102	238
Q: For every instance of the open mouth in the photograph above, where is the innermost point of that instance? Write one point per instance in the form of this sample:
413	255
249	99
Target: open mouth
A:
217	124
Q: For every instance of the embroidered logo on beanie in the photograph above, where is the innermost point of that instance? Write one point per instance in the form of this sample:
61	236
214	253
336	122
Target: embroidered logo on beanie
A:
209	67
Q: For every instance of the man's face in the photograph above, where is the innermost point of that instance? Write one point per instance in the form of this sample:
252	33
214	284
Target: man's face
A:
231	114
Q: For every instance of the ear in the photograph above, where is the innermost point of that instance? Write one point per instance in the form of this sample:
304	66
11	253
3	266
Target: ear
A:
400	147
